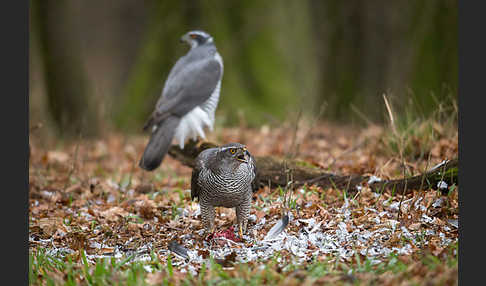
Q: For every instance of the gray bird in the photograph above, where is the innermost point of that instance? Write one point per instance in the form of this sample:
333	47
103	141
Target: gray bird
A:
226	177
188	101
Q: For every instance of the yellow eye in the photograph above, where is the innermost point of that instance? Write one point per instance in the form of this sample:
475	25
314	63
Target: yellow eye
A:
193	36
232	150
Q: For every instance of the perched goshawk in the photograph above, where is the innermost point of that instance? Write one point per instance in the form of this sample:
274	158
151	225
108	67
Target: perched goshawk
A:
224	176
188	101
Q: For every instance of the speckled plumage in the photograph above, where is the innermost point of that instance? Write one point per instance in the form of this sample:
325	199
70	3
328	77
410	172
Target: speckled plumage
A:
224	177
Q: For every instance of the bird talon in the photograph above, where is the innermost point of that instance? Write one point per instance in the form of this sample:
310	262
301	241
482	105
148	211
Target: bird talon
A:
240	232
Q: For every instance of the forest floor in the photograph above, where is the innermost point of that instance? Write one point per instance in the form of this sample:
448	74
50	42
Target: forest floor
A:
96	218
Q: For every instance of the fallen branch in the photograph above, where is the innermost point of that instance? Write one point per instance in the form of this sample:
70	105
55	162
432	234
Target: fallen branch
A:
446	172
271	172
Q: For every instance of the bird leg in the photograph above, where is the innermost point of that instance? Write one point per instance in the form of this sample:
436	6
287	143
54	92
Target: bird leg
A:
207	216
242	213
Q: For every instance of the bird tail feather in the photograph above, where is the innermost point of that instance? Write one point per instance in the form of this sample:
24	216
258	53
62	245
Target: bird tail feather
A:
159	144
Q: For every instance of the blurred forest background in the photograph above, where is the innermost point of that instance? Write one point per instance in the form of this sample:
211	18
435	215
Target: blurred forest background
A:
98	66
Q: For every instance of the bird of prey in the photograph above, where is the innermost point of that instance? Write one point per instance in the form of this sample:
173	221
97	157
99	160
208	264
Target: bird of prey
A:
224	176
188	101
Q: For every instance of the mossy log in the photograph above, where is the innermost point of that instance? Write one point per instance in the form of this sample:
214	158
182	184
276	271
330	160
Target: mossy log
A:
272	171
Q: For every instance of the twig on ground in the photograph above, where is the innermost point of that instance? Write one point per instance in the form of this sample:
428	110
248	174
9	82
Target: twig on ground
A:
73	166
311	125
292	153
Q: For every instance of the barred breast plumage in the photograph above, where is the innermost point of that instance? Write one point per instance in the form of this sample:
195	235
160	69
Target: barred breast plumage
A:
223	177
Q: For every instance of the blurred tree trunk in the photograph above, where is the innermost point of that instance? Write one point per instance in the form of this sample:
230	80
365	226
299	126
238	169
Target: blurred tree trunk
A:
66	85
435	61
158	52
337	39
268	51
366	48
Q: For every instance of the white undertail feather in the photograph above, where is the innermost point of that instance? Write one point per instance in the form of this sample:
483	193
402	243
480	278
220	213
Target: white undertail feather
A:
192	125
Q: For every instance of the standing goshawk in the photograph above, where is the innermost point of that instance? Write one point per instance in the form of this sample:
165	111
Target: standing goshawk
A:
224	177
189	99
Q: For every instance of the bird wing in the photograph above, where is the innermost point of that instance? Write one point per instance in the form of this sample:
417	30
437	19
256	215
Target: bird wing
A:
196	171
200	164
190	83
255	183
194	185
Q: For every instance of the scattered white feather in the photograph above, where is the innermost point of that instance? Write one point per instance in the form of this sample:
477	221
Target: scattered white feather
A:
442	185
438	202
373	179
277	228
439	165
337	238
453	222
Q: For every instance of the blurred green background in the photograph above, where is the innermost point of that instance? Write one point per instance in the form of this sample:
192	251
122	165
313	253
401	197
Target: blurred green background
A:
98	66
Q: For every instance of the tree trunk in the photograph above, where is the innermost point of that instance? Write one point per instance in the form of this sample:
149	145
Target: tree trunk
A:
66	84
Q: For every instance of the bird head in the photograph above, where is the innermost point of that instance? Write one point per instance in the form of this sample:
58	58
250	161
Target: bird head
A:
234	154
196	38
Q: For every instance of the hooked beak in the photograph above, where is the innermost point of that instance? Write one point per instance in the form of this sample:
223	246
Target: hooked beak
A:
243	156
